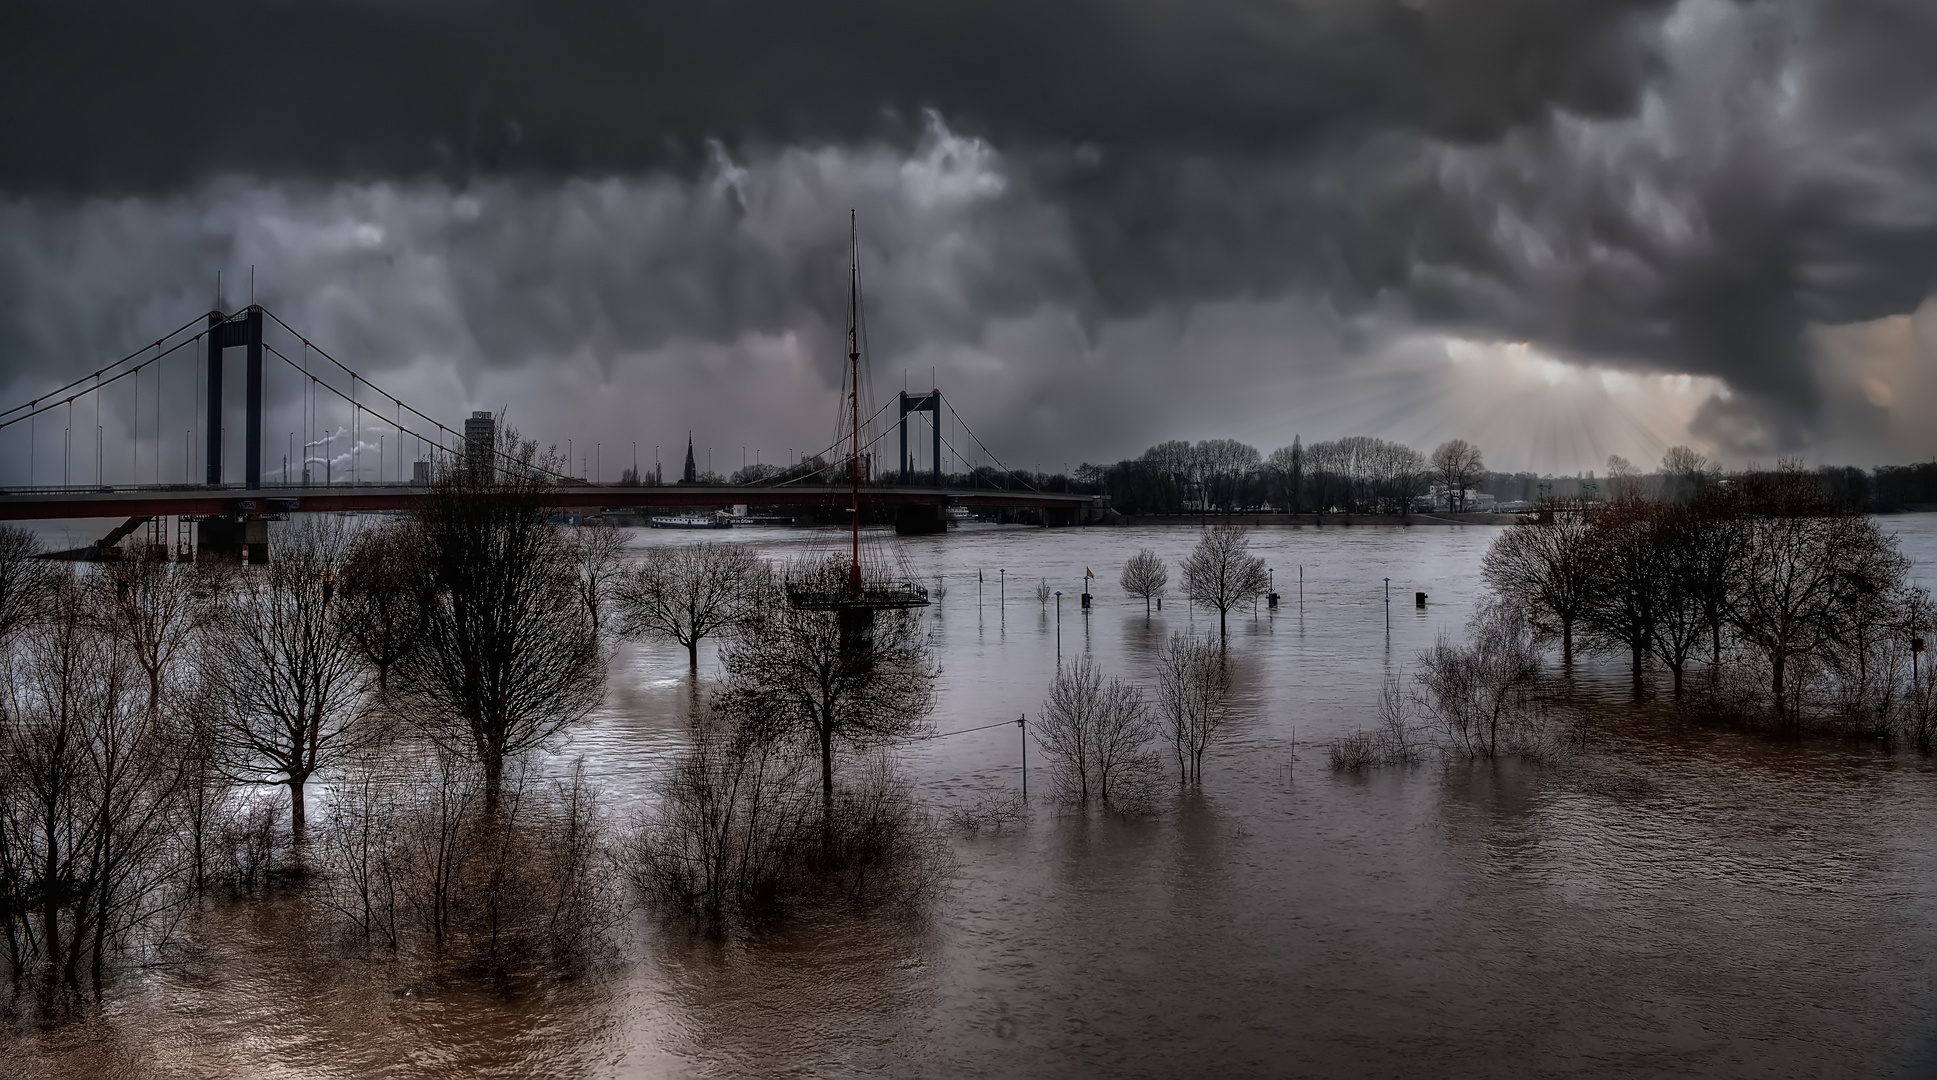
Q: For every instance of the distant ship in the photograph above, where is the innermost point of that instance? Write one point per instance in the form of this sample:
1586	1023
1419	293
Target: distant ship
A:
694	521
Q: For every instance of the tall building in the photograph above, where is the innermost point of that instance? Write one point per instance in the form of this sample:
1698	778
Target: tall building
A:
480	442
692	472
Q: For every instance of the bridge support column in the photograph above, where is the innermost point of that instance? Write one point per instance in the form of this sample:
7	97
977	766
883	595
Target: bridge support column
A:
930	403
245	330
223	538
920	520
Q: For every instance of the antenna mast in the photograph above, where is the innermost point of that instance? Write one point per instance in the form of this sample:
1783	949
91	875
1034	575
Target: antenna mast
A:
854	402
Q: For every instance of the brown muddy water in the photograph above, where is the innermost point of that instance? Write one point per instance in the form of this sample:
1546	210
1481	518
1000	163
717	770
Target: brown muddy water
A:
1680	900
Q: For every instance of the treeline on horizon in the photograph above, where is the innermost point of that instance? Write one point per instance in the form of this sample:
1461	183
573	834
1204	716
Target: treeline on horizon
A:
1358	474
1366	475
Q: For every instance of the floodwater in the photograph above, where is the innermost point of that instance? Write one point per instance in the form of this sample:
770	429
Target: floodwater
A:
1680	900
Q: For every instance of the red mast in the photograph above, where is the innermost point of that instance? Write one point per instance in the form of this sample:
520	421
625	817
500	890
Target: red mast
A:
854	402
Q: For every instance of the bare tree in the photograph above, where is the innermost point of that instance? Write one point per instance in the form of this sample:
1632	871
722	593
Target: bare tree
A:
1804	571
24	580
1043	591
1286	466
1394	742
362	850
598	551
867	683
378	605
1624	550
1145	575
687	592
1456	464
1545	568
1623	478
439	842
1193	699
1480	693
290	684
732	816
1096	734
738	830
153	606
1685	471
86	789
508	657
1686	553
1222	573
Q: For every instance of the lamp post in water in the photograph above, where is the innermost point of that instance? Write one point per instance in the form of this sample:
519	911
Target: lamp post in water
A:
1059	627
1022	722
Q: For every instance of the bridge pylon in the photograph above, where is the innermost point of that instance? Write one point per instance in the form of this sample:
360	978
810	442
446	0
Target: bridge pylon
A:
244	330
930	403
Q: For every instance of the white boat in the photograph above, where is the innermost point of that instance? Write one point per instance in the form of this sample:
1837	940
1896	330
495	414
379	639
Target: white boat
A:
694	521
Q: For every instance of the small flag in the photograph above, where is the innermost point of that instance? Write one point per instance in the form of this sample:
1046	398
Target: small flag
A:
1086	573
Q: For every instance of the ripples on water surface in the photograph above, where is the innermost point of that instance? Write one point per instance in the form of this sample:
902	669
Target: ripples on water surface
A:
1680	901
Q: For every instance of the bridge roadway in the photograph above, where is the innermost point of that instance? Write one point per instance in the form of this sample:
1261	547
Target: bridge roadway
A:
185	500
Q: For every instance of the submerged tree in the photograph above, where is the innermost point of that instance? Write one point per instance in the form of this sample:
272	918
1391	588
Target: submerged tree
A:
87	784
507	657
1629	582
1545	568
1480	693
291	684
1806	571
1145	575
1096	733
687	592
378	603
598	551
792	670
1193	699
1222	573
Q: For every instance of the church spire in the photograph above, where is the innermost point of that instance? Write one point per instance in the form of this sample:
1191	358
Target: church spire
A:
692	474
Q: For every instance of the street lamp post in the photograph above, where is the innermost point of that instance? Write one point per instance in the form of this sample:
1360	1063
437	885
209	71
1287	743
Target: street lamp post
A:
1059	626
1022	723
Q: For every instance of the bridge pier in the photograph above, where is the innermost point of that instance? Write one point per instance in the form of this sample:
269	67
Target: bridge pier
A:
920	520
223	538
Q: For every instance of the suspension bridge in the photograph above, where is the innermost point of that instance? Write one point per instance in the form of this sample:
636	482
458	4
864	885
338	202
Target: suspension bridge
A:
154	436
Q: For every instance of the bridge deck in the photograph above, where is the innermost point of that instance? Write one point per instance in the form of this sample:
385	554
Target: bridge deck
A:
193	500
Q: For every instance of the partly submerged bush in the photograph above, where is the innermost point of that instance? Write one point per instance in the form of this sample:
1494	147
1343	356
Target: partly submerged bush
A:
740	831
1397	740
419	855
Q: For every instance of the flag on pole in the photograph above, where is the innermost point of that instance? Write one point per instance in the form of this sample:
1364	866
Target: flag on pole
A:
1086	573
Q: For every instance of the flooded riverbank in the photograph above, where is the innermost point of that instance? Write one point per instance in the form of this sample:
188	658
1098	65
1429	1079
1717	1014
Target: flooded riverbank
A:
1674	899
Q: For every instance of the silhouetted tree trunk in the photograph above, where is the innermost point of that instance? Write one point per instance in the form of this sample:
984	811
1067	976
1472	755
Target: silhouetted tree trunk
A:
508	657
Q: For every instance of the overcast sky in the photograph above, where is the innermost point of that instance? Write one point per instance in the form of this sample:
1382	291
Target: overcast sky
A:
1560	228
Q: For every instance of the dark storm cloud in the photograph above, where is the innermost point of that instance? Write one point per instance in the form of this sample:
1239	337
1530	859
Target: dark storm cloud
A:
112	94
1663	186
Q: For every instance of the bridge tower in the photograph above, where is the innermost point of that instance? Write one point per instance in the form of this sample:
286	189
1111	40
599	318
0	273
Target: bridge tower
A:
243	330
930	403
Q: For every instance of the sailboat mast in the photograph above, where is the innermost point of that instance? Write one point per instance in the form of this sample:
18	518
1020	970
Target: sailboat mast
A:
854	402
